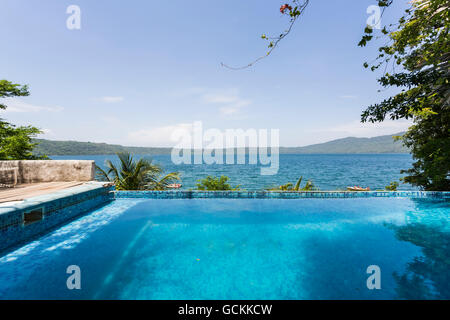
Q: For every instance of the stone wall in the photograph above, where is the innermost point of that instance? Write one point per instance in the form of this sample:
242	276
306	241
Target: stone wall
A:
33	171
8	176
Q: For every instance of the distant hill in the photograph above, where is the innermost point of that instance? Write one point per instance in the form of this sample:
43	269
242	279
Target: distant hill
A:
381	144
71	148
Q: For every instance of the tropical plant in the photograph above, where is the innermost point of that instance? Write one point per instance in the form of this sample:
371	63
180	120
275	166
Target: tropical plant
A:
293	11
212	183
419	45
136	175
309	186
283	187
414	54
392	186
9	89
16	143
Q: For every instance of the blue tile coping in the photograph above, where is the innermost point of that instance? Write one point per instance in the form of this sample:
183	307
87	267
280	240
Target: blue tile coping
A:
277	194
48	211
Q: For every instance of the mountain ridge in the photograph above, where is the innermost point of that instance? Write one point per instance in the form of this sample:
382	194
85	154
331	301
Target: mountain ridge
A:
348	145
379	144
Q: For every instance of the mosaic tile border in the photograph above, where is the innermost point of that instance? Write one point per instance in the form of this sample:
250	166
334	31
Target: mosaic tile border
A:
58	208
277	195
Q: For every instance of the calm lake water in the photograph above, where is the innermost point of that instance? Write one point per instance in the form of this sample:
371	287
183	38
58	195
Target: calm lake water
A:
327	171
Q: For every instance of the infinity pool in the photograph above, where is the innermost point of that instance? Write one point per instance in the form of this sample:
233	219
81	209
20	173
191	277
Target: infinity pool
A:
240	249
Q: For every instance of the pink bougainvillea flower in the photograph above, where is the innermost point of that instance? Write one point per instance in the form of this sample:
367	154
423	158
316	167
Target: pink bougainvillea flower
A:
285	7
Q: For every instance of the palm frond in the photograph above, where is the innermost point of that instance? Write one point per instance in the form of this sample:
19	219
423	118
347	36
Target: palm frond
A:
102	174
297	185
170	178
157	183
112	169
309	186
137	175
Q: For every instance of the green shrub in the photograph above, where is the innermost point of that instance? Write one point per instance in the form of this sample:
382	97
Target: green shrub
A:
392	187
309	186
212	183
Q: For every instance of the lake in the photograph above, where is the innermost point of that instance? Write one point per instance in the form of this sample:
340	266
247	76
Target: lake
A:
327	171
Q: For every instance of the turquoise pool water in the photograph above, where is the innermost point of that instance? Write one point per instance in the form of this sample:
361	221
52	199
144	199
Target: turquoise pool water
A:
240	249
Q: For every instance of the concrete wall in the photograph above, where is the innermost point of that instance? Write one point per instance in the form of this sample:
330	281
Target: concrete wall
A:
8	176
32	171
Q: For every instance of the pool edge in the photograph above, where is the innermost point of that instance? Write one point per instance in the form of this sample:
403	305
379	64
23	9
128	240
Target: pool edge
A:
278	195
55	209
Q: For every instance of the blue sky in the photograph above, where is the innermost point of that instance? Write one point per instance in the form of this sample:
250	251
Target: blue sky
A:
139	69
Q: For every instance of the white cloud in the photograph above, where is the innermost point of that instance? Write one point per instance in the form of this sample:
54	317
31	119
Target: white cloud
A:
235	107
229	110
220	98
111	99
229	101
111	120
188	91
47	133
17	105
159	136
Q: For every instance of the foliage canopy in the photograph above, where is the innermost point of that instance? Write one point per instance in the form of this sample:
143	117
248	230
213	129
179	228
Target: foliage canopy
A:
416	61
16	143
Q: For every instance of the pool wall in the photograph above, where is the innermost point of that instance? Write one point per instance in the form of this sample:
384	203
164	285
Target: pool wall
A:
277	195
49	211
